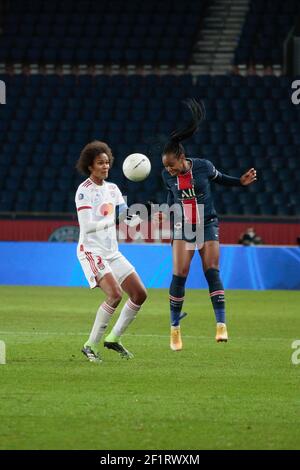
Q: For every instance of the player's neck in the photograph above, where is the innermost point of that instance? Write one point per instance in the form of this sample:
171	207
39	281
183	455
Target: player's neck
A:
186	166
96	180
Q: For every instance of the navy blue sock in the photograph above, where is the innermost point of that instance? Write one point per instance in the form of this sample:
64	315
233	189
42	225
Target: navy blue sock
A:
216	291
176	291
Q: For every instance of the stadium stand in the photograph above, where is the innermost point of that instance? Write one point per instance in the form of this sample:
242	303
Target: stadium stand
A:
49	118
266	27
106	32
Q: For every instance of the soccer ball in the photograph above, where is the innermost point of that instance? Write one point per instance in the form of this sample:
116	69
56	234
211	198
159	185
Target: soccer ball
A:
136	167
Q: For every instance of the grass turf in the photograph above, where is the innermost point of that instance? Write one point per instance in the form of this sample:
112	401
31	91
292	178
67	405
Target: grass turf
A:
239	395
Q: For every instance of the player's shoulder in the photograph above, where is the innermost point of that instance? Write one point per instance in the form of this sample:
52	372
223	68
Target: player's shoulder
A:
111	185
165	174
114	188
199	162
86	185
84	190
203	165
168	179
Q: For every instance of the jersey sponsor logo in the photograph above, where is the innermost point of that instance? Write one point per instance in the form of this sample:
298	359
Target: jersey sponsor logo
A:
188	197
106	209
188	193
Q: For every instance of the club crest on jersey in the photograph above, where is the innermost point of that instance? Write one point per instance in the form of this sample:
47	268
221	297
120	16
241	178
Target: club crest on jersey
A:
81	196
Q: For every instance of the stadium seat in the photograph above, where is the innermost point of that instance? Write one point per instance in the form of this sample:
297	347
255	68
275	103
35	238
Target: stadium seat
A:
133	112
264	32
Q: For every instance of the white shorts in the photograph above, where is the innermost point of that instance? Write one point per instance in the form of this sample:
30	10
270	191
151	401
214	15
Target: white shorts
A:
94	266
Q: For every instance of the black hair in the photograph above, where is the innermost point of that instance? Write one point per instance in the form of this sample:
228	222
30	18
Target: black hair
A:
198	115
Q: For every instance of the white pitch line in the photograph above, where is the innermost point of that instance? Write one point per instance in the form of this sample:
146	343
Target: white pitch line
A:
54	333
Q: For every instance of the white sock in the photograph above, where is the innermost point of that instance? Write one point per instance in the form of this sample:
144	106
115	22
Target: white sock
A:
103	317
127	315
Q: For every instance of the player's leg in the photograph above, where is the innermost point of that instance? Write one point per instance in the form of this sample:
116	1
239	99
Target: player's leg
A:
133	286
183	253
111	288
210	254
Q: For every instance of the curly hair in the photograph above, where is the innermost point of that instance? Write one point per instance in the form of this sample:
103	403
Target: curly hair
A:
89	153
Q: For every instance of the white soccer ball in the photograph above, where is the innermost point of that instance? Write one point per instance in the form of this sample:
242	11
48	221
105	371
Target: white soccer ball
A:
136	167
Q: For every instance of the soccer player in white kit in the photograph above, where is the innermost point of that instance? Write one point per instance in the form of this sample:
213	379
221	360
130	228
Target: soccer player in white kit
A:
103	264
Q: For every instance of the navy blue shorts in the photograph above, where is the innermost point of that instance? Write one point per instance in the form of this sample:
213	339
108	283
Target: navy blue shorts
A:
211	232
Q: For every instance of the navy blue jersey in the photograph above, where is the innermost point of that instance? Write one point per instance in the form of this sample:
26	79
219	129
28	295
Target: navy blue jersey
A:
193	187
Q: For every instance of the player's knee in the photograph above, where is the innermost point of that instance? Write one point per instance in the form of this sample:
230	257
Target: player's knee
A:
115	296
139	296
212	265
182	272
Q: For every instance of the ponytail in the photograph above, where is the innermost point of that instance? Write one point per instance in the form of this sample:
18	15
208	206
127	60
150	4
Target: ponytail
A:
198	115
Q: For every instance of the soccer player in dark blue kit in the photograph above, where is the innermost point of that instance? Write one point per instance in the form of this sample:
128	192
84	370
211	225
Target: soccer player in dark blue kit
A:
188	183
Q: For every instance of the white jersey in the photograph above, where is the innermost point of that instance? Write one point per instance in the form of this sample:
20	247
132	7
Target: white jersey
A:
96	203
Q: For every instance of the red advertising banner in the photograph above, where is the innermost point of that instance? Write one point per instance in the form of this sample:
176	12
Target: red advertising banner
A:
271	233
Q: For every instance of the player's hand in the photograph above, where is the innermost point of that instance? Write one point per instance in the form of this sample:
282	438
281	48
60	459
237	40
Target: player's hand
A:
133	220
249	177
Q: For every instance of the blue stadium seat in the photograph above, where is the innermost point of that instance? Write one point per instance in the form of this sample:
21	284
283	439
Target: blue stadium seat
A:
30	184
6	202
47	127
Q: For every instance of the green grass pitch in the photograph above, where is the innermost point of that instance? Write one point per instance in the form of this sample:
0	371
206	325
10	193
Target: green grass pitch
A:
239	395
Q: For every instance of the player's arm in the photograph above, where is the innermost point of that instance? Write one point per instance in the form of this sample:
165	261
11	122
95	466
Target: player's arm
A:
89	226
170	195
160	216
84	212
123	213
226	180
170	198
